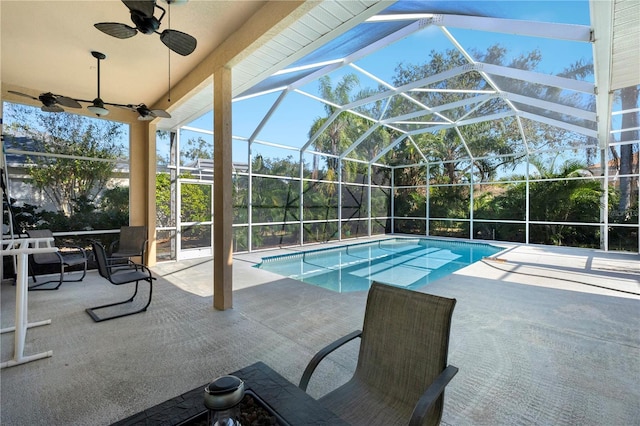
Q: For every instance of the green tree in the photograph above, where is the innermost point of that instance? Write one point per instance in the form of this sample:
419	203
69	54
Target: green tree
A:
334	138
163	200
67	181
559	195
195	149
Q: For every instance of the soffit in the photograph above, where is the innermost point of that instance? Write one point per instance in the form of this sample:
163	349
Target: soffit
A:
625	44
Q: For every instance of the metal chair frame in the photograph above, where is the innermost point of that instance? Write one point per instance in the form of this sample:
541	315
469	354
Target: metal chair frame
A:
70	256
133	273
402	362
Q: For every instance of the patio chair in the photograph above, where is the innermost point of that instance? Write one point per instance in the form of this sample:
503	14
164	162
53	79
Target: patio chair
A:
132	243
133	274
402	367
63	259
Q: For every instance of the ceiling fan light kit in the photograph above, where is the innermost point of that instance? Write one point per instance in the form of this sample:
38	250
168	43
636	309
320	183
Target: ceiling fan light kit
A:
98	108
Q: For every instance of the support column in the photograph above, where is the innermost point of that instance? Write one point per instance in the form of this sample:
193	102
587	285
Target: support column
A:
150	221
222	194
142	181
138	172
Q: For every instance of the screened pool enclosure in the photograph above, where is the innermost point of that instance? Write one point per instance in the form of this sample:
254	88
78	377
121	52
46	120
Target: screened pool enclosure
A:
429	118
507	121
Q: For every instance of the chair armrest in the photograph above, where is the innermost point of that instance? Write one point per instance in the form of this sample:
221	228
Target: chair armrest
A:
143	247
143	268
144	251
120	262
115	263
124	267
319	356
430	396
113	245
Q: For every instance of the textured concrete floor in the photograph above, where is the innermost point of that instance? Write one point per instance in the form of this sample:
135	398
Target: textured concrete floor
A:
541	336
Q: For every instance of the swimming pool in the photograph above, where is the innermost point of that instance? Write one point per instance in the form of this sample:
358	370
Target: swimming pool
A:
403	262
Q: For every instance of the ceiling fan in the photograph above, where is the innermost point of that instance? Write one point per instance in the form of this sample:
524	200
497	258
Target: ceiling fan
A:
98	105
142	16
51	102
146	114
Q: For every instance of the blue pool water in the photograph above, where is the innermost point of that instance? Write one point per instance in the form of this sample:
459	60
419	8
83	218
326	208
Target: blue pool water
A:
403	262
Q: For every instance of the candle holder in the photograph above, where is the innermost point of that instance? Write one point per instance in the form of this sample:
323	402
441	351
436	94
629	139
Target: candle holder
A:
221	397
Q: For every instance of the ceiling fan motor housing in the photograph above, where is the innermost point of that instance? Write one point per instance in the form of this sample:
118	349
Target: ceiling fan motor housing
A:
144	24
47	99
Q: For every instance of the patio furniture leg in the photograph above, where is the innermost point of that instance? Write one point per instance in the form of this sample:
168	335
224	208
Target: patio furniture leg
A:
34	287
96	318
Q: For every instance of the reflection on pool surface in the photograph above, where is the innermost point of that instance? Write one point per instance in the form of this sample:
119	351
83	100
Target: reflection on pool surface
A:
403	262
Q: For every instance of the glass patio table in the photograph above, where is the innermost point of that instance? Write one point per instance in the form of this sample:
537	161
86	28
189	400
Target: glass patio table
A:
291	404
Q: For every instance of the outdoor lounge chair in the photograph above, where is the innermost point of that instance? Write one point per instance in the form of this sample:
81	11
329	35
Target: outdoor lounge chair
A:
402	364
64	258
134	273
132	243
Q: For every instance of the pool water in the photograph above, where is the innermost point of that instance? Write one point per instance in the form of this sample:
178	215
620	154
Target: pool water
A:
403	262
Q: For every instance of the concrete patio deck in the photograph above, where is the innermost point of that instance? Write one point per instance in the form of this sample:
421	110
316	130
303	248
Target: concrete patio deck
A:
541	335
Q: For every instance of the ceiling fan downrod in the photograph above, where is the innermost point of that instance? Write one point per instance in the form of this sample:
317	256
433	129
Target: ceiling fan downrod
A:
98	56
97	106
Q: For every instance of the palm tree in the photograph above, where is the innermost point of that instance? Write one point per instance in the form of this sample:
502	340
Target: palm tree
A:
558	199
625	161
334	138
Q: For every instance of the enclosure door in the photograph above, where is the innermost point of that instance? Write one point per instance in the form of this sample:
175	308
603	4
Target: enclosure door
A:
195	223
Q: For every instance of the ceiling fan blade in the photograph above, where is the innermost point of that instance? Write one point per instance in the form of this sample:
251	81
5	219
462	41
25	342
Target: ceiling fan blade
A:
23	94
116	29
145	7
52	108
179	42
68	102
160	113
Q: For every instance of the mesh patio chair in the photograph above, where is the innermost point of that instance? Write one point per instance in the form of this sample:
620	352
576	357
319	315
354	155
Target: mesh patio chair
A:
132	243
134	273
65	258
402	363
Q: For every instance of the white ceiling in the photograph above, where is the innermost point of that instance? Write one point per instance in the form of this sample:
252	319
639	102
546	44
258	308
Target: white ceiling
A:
46	46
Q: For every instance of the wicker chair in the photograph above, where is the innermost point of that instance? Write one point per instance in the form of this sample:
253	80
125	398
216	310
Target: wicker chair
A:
402	364
62	260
